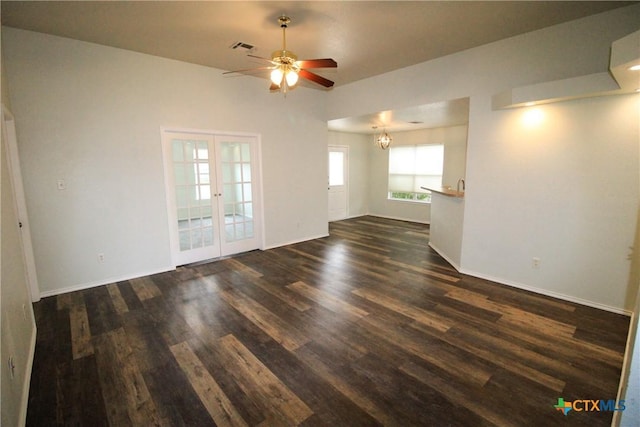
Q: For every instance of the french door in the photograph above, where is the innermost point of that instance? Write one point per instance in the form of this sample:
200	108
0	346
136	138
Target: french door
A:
212	194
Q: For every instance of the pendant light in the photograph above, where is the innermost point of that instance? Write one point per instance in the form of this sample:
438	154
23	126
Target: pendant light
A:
383	140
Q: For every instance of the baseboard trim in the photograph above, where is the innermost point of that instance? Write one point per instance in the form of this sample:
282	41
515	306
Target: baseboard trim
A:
446	258
103	282
548	293
399	218
293	242
348	217
381	216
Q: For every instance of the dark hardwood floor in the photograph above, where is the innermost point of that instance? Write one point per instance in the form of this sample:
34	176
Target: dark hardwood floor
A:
366	327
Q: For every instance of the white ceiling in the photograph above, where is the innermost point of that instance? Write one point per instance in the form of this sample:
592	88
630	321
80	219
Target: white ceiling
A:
366	38
438	114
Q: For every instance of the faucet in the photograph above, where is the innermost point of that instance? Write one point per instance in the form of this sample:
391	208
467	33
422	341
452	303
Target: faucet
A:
460	181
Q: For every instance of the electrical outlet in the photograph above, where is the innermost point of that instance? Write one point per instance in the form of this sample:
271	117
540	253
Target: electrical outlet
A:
535	262
24	311
100	258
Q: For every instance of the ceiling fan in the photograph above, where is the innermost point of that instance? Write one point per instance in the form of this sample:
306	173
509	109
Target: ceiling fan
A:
286	68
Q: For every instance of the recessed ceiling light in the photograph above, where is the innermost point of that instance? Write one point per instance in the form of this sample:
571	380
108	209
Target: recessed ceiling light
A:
634	68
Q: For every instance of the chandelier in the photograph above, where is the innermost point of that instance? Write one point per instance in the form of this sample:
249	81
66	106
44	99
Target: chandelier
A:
383	140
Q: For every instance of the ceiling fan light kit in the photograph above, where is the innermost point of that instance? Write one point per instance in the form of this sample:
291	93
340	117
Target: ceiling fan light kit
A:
286	69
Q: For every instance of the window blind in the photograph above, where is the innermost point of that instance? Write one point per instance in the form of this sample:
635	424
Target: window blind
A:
415	166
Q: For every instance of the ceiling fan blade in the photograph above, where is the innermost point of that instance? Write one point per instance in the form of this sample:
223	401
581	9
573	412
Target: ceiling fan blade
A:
317	63
264	59
246	70
315	78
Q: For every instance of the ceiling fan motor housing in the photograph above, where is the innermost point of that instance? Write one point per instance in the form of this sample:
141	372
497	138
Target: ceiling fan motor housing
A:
284	57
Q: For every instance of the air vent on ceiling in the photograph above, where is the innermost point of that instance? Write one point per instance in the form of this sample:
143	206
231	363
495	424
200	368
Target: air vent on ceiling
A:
416	122
242	45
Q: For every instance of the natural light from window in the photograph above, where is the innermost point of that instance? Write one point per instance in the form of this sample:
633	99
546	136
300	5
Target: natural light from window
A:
412	167
336	168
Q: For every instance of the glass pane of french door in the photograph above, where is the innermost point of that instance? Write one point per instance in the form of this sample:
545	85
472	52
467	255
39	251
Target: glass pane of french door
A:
192	158
237	189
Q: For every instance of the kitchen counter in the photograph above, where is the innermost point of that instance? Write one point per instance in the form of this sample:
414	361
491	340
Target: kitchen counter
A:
447	220
445	191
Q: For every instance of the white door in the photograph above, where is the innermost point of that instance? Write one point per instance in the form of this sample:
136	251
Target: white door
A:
9	135
192	197
238	196
212	195
338	182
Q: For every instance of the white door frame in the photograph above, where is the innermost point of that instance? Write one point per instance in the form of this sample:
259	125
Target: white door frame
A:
13	160
256	174
344	149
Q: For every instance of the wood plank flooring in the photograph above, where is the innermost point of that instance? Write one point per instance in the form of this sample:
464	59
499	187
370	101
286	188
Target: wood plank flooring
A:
366	327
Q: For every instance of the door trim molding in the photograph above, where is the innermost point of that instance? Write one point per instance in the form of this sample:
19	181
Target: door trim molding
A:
214	132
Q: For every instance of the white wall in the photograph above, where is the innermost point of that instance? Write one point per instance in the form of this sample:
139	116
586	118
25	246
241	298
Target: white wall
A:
359	151
562	190
565	192
454	139
91	116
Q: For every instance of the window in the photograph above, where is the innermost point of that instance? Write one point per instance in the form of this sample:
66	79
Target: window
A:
336	168
412	167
